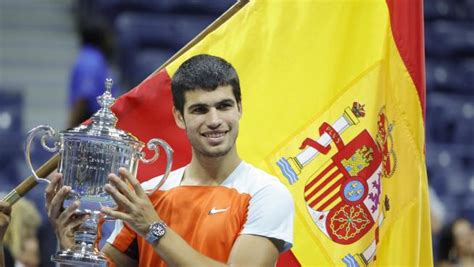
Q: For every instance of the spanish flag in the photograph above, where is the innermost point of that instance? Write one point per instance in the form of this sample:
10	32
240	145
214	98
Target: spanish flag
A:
333	101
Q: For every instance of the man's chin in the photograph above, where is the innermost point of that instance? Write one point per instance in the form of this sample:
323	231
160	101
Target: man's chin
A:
215	153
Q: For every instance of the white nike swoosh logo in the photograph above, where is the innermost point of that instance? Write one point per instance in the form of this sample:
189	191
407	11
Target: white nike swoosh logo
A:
214	211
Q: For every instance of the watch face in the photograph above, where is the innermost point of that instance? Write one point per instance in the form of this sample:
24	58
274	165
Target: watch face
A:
158	229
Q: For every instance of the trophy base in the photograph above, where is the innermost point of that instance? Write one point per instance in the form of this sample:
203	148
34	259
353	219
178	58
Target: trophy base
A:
79	258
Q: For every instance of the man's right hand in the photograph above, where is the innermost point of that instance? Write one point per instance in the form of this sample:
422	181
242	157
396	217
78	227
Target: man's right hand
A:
64	221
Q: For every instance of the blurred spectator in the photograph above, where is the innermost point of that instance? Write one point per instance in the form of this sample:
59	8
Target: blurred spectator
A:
5	211
456	244
438	212
89	71
21	237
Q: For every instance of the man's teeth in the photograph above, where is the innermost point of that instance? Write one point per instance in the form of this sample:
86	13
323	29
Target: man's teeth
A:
214	135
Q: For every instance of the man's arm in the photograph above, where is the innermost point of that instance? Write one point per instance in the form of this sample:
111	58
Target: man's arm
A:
135	209
252	250
117	257
248	250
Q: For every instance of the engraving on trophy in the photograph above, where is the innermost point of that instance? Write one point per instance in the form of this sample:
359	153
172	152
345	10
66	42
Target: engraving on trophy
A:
89	164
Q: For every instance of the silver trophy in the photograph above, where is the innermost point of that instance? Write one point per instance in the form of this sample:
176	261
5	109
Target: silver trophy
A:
88	154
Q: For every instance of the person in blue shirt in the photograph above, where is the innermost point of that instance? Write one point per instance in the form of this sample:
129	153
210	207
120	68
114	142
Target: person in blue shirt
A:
89	72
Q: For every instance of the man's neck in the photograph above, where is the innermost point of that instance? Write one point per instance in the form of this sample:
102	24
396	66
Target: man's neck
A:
210	170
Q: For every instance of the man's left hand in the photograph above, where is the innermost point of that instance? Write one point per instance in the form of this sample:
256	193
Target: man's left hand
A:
133	206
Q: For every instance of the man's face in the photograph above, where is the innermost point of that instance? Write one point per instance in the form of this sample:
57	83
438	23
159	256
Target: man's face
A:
211	120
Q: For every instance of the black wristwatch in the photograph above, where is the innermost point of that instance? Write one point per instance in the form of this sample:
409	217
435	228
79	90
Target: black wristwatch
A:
155	232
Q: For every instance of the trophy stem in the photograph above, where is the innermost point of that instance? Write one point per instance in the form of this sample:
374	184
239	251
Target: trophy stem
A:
85	250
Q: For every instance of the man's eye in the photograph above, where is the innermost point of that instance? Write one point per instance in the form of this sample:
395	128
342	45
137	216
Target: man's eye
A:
224	106
199	110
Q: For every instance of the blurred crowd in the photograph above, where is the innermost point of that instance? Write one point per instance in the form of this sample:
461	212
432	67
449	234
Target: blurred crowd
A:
456	244
449	49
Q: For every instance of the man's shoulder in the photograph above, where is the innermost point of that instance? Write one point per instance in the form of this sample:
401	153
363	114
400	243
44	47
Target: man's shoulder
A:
252	180
173	180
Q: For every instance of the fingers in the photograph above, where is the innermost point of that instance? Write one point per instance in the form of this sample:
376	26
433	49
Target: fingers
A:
54	208
66	216
133	181
121	200
121	186
77	221
5	208
115	213
65	232
120	191
4	220
52	188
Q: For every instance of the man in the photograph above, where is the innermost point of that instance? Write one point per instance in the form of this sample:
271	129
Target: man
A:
5	211
217	210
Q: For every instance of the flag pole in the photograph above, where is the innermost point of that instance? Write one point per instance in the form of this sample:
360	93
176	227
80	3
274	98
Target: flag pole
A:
30	182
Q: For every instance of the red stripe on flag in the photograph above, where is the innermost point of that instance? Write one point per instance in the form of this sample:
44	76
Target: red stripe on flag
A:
146	112
323	184
406	17
308	197
331	200
323	173
313	192
332	188
287	259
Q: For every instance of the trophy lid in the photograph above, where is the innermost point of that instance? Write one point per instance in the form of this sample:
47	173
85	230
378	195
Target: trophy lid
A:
104	121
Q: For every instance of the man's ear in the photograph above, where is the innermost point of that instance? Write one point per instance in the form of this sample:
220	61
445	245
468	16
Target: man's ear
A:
239	106
178	118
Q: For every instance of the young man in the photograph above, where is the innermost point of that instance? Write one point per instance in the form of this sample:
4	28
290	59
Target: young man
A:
216	210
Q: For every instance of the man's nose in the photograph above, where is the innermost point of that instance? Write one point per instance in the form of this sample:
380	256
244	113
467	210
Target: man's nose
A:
213	118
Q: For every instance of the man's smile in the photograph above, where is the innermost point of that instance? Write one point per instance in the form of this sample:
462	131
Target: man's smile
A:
214	134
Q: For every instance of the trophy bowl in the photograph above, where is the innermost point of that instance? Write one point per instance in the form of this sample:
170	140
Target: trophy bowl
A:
88	154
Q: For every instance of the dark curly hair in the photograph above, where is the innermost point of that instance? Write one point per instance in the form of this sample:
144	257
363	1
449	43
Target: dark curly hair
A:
203	72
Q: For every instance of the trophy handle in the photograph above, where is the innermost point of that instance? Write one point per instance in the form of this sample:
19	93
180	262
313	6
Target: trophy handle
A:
48	131
153	145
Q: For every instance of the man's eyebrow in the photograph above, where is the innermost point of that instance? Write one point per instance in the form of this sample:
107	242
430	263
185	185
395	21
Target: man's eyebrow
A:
197	105
226	101
201	105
